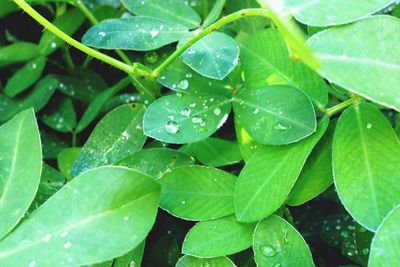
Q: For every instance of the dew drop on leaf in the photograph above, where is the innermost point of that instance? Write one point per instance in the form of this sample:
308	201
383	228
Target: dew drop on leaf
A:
255	111
172	127
151	57
280	126
186	112
184	84
369	125
217	111
268	251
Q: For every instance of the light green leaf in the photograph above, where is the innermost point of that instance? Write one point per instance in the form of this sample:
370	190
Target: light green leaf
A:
333	12
247	145
316	175
20	168
108	203
266	180
118	135
62	117
214	56
368	187
18	52
197	192
134	33
66	159
175	11
218	237
217	152
384	247
155	162
25	77
189	261
278	243
214	13
276	114
266	61
181	119
372	72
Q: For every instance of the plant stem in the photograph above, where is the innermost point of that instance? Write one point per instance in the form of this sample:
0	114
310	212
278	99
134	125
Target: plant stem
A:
329	112
60	34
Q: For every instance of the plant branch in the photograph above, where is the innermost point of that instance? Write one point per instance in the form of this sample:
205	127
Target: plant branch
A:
329	112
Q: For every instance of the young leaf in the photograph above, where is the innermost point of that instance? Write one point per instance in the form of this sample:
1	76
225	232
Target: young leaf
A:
214	13
218	237
275	115
384	248
167	159
66	159
189	261
247	145
366	139
181	119
20	168
373	73
266	180
197	192
278	243
108	203
175	11
214	56
118	135
63	116
134	33
266	61
18	52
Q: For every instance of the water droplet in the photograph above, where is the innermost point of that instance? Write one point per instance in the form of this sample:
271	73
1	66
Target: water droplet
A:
67	245
268	251
193	105
172	127
151	57
47	237
217	111
186	112
255	111
277	264
154	33
183	202
102	34
189	75
184	84
365	251
126	218
197	120
53	45
125	134
32	263
64	234
280	126
132	264
369	125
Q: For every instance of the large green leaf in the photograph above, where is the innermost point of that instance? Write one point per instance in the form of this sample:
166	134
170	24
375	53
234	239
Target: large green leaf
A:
214	56
134	33
277	243
20	168
18	52
189	261
386	242
176	11
197	192
275	115
185	118
372	70
118	135
333	12
266	180
266	61
368	187
114	204
218	237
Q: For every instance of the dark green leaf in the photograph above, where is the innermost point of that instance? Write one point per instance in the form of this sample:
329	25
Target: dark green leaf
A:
62	118
18	52
189	261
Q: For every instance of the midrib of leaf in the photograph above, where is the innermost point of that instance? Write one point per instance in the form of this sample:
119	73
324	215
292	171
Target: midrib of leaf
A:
213	59
193	23
360	61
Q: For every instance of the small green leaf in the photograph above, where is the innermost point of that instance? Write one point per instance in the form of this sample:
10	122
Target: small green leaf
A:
118	135
218	237
62	117
278	243
134	33
181	119
18	52
66	159
247	145
366	139
52	144
267	179
166	160
132	258
214	13
108	203
373	73
189	261
214	56
20	168
175	11
275	115
25	77
197	192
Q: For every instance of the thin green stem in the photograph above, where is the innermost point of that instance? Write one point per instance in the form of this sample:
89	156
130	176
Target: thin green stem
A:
74	138
329	112
68	58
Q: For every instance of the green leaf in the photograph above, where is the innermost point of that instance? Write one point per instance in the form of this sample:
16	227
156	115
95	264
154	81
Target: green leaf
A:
181	119
25	77
214	56
189	261
18	52
247	145
19	146
69	22
333	12
278	243
108	203
66	159
217	152
214	13
368	187
166	160
175	11
62	117
134	33
266	61
316	175
384	248
133	257
218	237
197	193
276	114
373	73
118	135
266	178
7	8
165	252
52	144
